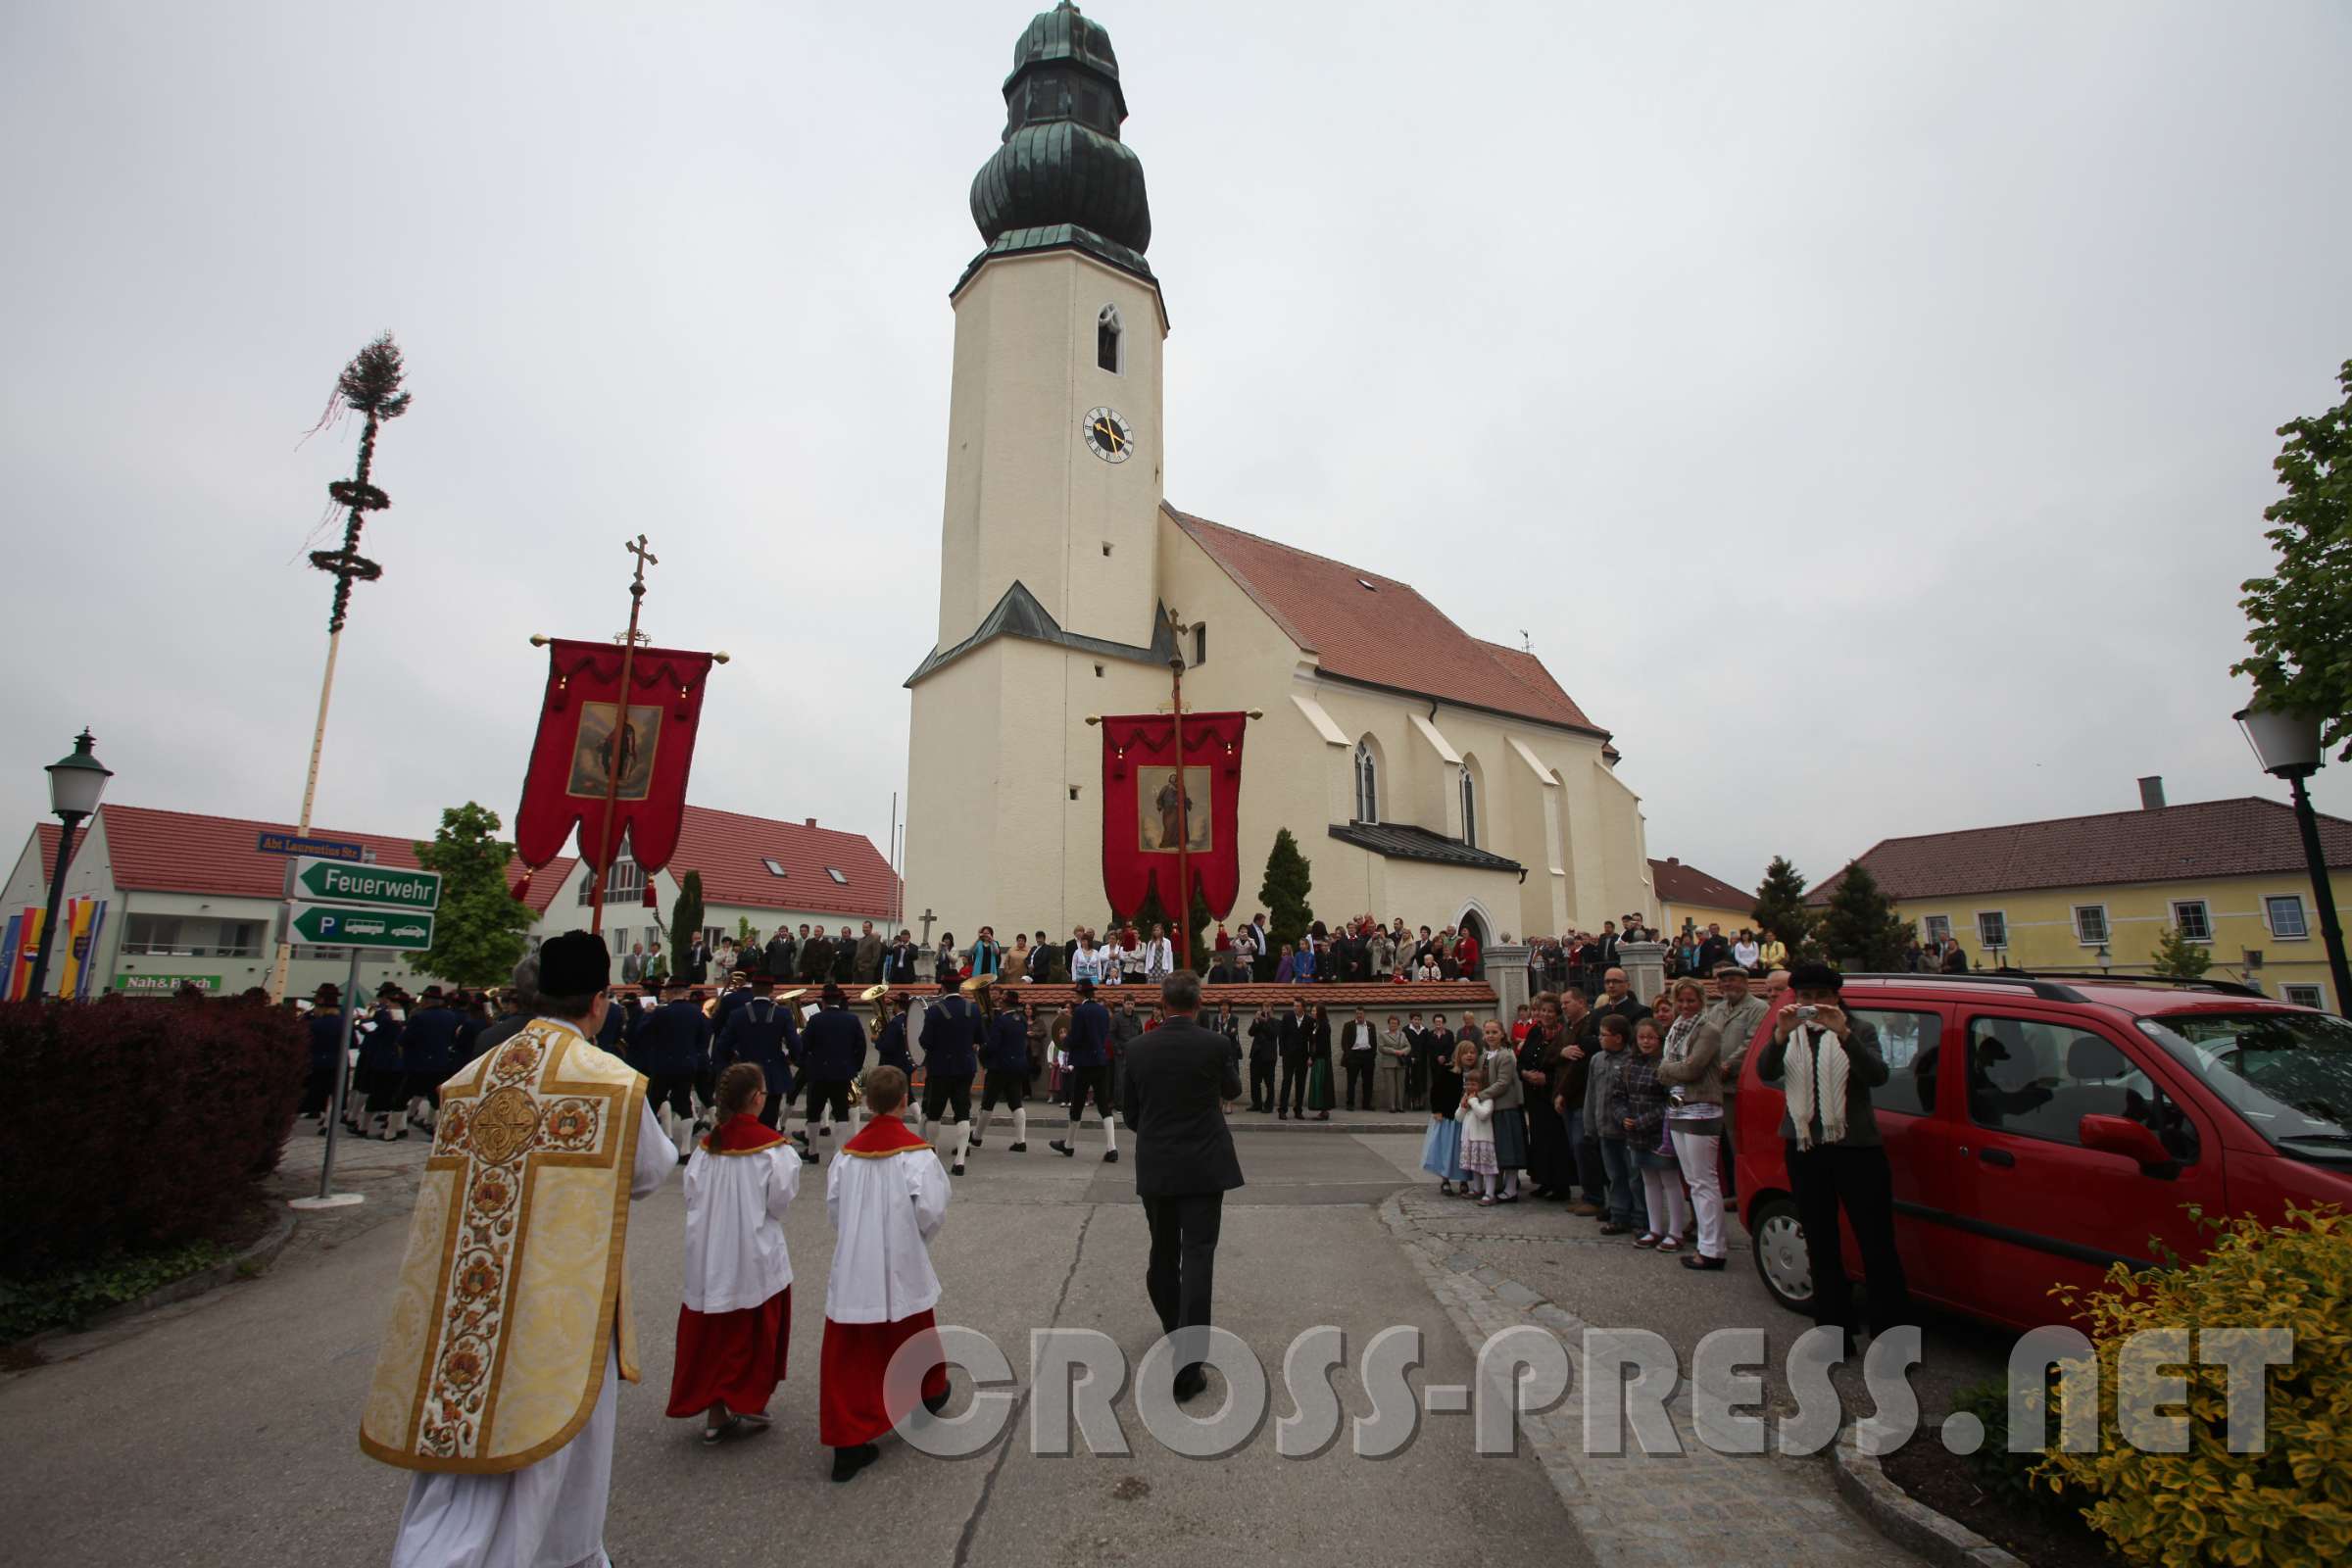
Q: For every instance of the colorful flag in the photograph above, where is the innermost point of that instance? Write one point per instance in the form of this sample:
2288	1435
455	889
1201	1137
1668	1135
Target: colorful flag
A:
90	948
73	955
23	950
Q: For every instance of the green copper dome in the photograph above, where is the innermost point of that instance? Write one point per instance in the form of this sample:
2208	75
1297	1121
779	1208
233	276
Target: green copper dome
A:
1063	178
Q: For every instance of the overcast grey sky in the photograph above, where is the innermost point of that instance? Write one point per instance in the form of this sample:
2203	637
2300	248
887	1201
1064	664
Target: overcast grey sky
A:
1913	369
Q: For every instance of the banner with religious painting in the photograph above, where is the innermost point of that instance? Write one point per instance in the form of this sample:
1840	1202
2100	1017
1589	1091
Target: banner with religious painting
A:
588	730
1160	809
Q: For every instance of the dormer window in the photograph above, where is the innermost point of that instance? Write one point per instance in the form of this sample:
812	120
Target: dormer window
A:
1110	341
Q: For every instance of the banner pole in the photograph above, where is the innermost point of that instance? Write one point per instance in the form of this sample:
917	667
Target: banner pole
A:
1184	823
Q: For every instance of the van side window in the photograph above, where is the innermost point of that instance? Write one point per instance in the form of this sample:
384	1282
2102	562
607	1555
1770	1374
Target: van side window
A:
1911	1044
2039	1080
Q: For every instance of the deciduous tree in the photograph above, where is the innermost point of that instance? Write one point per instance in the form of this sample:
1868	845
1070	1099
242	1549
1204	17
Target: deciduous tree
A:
2299	618
2180	957
479	928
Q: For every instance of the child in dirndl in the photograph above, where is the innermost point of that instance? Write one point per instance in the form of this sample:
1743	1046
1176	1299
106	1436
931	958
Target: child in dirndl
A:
1477	1118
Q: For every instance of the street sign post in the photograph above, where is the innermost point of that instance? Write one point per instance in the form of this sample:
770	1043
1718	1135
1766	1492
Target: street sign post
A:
364	908
343	925
381	886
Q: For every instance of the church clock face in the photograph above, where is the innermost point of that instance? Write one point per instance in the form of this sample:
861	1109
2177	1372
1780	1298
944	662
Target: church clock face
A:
1108	436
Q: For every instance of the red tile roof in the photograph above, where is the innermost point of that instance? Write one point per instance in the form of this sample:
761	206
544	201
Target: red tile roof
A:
729	850
1362	626
48	832
2244	837
182	852
1678	883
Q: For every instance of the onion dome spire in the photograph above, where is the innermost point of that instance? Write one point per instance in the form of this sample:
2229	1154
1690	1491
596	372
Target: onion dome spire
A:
1062	177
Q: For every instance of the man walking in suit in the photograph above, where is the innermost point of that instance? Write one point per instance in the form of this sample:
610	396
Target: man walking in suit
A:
1177	1084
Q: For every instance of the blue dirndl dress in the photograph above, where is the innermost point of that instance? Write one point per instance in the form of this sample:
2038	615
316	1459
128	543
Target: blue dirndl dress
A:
1441	1149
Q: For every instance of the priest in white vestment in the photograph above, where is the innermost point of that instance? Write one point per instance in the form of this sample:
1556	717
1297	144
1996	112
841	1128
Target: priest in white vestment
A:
886	1195
509	1330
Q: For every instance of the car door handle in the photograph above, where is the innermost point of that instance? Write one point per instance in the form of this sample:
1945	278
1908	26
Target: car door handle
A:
1997	1157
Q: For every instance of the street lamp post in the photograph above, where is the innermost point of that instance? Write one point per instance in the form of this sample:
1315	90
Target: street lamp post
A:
2287	745
76	782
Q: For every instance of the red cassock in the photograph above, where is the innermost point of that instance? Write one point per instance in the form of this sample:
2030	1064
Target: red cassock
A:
854	1405
733	1358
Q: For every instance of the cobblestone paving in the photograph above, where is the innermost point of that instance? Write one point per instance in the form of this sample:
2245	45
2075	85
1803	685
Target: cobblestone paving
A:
1701	1507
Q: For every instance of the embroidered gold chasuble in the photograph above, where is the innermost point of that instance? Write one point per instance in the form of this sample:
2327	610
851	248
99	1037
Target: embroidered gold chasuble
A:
515	1278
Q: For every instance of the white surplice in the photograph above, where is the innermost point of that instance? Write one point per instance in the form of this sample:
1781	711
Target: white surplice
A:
883	1211
735	1203
549	1514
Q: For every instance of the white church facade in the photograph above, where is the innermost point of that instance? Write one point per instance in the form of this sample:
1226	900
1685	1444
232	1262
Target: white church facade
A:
1425	772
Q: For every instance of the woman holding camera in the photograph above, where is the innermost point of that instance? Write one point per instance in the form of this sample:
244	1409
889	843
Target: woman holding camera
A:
1695	1116
1827	1061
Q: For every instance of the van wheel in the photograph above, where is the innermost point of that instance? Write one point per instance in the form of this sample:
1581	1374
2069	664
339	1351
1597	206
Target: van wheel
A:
1778	1239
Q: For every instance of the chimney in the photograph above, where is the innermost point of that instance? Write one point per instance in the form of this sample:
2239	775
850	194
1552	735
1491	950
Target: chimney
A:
2144	786
2152	793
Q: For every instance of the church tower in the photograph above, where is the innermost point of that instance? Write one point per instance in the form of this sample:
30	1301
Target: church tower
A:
1054	457
1049	600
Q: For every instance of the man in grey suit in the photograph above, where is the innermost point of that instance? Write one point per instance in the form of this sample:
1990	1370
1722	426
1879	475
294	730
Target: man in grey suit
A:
1733	1019
1179	1077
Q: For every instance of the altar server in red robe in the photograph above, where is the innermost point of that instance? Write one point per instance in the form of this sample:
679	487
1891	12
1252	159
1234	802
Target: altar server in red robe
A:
886	1195
735	1323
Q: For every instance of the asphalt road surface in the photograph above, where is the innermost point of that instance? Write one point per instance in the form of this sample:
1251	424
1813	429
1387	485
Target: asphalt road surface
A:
223	1431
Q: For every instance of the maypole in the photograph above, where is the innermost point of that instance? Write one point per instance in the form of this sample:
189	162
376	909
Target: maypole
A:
371	385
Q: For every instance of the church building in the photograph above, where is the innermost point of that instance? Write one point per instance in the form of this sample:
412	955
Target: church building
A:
1425	772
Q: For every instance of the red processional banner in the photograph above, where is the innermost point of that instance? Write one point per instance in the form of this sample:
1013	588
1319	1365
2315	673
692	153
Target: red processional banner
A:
1153	802
581	725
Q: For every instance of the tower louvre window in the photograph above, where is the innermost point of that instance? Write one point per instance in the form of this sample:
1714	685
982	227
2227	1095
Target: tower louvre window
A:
1110	341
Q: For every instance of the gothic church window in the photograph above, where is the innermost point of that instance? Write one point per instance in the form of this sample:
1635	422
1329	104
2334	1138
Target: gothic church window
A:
1367	784
1110	341
1469	807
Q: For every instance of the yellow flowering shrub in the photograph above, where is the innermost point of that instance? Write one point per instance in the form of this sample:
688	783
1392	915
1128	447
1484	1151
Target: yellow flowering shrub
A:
2288	1506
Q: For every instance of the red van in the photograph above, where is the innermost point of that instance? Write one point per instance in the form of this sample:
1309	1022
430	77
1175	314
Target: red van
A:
2041	1130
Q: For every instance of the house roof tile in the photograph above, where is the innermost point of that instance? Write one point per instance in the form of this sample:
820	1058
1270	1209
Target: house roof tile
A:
1362	626
2247	835
1678	883
731	851
155	851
